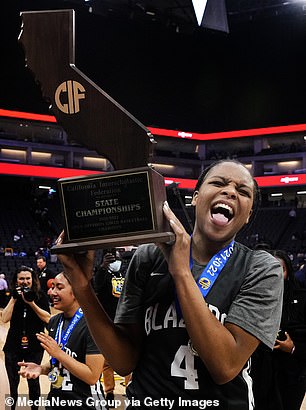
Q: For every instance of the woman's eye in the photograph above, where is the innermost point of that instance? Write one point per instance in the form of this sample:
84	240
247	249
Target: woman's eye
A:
217	183
245	193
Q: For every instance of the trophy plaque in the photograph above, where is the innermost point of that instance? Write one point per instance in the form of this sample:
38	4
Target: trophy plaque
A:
116	208
113	209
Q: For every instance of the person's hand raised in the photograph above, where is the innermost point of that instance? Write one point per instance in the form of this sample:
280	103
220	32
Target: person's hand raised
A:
78	266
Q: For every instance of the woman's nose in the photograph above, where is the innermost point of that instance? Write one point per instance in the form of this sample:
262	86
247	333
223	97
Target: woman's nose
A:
230	191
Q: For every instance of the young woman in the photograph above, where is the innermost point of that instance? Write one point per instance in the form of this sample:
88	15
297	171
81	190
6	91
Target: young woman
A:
76	364
28	313
191	314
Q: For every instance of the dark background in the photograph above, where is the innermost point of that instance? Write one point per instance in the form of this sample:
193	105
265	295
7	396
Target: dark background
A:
195	80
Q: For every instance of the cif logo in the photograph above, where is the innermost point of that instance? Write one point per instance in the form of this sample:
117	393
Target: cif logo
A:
68	96
204	283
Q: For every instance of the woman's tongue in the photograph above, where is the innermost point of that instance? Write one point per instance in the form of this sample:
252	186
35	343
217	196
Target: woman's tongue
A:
219	219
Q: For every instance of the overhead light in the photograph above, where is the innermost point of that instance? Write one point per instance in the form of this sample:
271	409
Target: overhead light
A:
12	151
288	163
199	9
168	181
164	166
301	193
93	161
277	194
41	154
188	200
44	187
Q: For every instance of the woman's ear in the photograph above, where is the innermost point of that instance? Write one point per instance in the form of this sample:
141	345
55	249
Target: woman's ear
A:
194	198
250	214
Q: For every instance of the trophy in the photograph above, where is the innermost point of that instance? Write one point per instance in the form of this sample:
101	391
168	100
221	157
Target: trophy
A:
117	208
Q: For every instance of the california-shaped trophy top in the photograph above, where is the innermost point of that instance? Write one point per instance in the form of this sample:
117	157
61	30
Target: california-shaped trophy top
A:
86	112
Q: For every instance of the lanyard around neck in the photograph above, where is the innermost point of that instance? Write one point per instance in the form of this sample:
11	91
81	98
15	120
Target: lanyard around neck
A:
62	339
214	267
210	273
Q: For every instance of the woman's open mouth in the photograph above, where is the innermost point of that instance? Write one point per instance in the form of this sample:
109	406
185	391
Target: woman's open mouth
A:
222	213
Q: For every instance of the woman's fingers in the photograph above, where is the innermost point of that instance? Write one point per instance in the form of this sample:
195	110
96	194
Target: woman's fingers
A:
173	220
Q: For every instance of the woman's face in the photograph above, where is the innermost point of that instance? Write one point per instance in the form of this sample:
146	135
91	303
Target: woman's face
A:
61	293
24	278
224	202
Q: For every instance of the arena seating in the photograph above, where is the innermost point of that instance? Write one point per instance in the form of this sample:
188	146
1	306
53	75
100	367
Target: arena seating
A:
20	216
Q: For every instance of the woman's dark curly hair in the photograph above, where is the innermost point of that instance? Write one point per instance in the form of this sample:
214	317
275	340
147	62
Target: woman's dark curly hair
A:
35	280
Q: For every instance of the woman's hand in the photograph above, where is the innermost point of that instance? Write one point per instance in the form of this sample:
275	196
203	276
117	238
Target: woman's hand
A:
178	254
28	302
284	345
78	266
49	344
29	370
108	258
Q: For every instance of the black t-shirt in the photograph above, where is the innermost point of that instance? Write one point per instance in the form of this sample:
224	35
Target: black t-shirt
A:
247	292
25	321
277	373
80	344
43	277
108	287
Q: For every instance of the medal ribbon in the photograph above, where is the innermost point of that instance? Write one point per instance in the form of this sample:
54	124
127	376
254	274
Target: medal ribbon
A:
63	339
214	267
211	271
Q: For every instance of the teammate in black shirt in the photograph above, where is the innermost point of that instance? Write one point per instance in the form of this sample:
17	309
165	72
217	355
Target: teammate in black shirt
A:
76	364
191	314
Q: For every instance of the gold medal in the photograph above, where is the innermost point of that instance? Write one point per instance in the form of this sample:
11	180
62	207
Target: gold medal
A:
55	378
59	381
